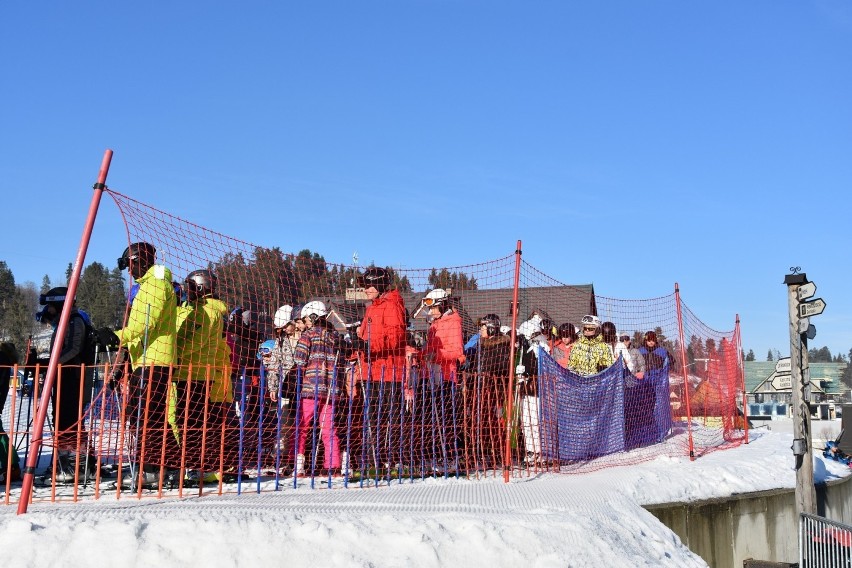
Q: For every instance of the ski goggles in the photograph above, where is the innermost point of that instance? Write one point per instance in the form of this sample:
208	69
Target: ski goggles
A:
124	261
589	320
44	298
429	302
264	352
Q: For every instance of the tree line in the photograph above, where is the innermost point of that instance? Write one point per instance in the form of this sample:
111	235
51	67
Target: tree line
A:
821	355
267	279
101	293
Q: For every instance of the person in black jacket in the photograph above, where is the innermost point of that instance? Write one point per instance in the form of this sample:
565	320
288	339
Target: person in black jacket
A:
485	395
69	392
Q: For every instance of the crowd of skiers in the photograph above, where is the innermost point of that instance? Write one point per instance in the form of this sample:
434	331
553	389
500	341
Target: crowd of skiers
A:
201	383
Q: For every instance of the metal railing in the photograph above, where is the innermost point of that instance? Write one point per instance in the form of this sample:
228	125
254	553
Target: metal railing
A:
824	543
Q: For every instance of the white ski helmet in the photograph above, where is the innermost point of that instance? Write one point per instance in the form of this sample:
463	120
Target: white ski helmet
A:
531	327
283	316
435	297
314	310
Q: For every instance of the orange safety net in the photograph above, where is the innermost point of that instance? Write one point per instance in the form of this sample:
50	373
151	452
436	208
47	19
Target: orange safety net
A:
240	362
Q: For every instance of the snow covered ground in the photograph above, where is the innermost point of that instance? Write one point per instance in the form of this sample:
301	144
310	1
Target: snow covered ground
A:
592	519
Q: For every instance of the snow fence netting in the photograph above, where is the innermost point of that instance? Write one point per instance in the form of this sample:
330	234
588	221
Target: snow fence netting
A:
242	364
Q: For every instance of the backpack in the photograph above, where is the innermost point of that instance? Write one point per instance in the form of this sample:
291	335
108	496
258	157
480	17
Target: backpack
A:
90	341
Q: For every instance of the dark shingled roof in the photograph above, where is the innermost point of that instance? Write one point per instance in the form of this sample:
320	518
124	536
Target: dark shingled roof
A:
562	304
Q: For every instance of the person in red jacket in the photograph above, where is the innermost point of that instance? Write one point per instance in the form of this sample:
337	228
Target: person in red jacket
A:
379	374
443	352
383	329
444	349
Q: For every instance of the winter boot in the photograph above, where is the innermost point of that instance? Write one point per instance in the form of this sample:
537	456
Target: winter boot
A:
66	470
344	464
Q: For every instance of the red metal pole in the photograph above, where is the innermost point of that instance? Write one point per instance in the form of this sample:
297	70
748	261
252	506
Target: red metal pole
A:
62	327
685	371
742	376
510	385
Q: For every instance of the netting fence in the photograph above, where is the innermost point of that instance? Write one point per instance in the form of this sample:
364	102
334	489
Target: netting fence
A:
243	366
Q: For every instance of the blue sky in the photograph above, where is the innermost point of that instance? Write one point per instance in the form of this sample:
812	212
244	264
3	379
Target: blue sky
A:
628	144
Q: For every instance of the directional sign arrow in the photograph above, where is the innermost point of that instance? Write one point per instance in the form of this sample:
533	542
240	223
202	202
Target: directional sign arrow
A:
783	365
806	290
782	382
812	308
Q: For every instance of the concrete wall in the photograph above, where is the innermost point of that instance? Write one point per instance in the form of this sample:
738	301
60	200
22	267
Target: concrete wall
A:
764	525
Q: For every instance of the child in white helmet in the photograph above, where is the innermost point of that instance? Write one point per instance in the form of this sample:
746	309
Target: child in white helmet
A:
316	357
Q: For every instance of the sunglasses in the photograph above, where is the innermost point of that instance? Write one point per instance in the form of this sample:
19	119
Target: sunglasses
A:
590	328
124	262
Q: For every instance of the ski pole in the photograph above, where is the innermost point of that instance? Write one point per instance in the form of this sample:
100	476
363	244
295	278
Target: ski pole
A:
401	432
412	386
455	463
261	402
379	427
350	394
89	412
296	429
144	368
279	412
242	432
314	429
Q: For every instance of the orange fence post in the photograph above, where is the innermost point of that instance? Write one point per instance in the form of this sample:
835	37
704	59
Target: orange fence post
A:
742	376
507	451
685	370
62	327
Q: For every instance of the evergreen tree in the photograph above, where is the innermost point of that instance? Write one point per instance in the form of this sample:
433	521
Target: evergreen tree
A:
8	293
118	295
312	275
45	285
846	377
750	355
401	283
770	356
101	296
452	280
821	355
68	272
20	315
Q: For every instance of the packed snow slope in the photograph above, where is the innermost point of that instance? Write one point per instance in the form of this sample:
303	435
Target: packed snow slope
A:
593	519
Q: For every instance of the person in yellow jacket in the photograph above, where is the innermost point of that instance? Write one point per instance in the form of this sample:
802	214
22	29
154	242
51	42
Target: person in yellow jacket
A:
590	355
203	371
149	337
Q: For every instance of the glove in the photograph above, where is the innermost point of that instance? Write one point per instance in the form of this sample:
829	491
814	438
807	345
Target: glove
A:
520	369
108	338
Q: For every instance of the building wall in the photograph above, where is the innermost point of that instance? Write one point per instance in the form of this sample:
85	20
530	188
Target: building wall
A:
763	525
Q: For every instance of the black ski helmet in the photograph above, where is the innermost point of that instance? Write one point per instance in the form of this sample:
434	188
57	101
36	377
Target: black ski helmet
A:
376	277
55	297
491	323
136	251
201	282
568	331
